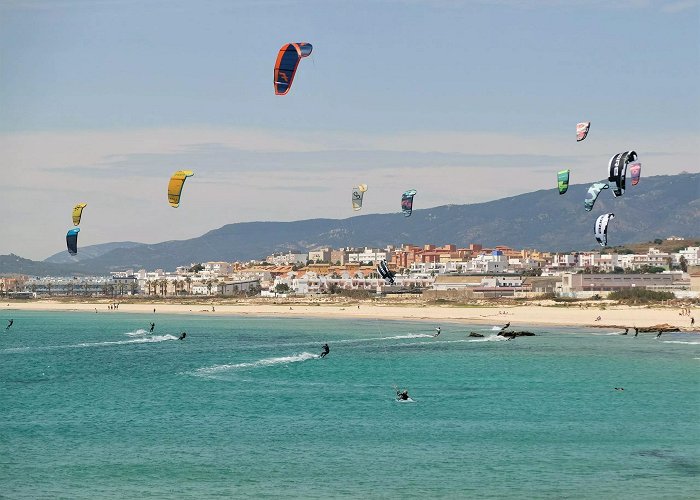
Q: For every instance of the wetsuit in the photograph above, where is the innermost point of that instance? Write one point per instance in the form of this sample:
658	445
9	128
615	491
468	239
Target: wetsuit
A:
326	350
9	324
182	336
403	396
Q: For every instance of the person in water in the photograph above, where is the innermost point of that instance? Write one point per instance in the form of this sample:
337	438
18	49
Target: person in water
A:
153	325
326	350
182	336
9	323
659	334
506	326
437	331
402	395
626	331
636	331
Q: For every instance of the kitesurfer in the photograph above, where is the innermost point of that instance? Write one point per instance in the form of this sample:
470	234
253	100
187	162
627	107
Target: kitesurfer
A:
9	324
437	331
153	325
658	335
506	326
626	331
402	395
636	331
182	336
326	350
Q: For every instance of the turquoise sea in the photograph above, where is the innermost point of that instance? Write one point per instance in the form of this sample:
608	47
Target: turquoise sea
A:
94	406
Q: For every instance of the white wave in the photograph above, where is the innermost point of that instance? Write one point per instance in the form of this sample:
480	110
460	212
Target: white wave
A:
142	340
154	338
607	334
140	331
496	328
696	342
296	358
490	338
395	337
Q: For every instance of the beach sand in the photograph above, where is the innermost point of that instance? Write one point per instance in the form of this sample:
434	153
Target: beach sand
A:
531	314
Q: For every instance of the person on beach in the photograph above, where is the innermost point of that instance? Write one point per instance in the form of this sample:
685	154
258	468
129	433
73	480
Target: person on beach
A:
692	321
598	318
182	336
437	331
326	350
153	325
9	323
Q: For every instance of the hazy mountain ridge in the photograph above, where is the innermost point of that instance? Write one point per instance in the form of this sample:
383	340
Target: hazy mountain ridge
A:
658	207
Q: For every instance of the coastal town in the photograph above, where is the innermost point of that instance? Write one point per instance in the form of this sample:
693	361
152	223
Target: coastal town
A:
446	271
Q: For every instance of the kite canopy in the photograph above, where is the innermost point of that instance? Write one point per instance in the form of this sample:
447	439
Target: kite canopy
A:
72	240
617	170
635	172
286	65
78	212
407	202
563	181
582	130
175	186
601	228
384	272
592	195
357	195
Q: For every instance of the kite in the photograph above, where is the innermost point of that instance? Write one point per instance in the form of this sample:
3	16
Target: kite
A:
357	194
175	186
78	212
635	172
286	65
617	170
563	181
592	195
582	130
601	228
407	202
72	240
385	273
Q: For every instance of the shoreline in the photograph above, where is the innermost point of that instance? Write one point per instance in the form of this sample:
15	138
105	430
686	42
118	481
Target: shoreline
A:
529	314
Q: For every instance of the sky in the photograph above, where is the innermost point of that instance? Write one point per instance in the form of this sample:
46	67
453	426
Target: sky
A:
465	101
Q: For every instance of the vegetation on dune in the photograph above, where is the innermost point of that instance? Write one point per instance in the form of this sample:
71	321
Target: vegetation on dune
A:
640	296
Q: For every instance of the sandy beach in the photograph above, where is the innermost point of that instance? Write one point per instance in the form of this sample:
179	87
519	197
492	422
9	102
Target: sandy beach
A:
532	314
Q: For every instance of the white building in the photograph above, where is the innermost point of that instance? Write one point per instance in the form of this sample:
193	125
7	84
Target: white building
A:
368	256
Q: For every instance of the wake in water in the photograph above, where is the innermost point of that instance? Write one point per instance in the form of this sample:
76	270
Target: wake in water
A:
138	332
142	340
490	338
296	358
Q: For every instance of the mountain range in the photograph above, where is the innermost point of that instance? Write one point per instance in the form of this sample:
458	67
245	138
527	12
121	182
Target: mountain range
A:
659	206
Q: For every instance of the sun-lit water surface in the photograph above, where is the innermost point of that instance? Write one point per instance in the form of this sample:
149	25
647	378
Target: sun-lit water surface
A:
95	406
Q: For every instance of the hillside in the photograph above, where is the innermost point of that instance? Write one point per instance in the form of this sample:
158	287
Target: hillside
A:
658	207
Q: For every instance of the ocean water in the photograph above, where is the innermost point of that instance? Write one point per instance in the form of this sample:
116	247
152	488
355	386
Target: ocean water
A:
94	406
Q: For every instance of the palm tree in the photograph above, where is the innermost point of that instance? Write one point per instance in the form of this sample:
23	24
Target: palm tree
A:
188	280
48	287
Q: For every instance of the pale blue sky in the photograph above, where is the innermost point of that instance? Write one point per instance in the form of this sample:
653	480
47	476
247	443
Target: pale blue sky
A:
463	100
